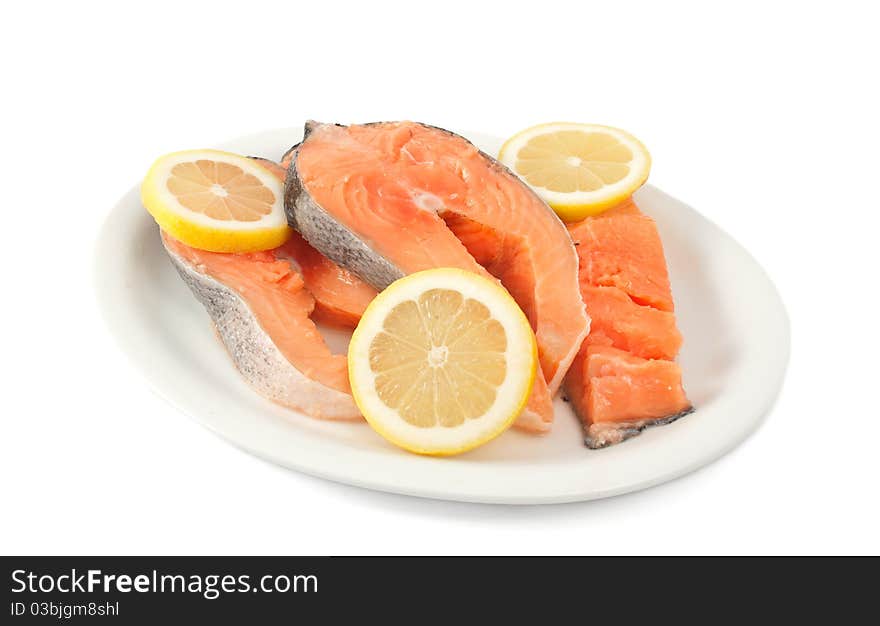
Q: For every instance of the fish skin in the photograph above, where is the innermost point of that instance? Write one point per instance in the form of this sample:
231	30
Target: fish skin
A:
334	240
254	354
604	434
287	156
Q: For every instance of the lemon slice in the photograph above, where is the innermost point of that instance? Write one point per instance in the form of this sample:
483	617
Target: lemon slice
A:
442	361
578	169
216	201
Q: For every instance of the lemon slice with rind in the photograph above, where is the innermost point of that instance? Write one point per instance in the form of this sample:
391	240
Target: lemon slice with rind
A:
578	169
216	201
442	361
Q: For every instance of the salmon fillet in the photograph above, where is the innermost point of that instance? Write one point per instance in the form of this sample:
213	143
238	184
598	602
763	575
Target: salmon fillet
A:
624	377
389	199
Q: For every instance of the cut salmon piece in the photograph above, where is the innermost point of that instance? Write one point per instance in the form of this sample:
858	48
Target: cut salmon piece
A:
388	199
262	312
340	297
621	248
537	417
641	330
623	394
624	378
657	391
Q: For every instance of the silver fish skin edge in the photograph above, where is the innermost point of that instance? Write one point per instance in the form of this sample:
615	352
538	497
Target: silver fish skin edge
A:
335	241
597	436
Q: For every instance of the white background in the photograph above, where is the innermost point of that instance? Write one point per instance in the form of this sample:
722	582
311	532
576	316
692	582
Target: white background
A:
763	116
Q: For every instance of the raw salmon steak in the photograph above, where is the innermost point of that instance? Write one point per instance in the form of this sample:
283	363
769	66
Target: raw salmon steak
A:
389	199
624	378
263	313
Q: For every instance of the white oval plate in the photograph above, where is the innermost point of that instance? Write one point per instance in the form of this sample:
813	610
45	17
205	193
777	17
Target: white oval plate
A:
734	357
